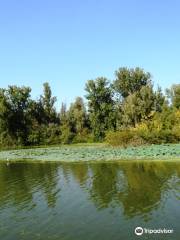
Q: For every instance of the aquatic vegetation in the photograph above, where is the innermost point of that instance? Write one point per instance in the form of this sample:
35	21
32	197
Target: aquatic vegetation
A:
94	152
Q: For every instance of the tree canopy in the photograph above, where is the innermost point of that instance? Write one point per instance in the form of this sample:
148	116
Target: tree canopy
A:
130	80
151	115
101	106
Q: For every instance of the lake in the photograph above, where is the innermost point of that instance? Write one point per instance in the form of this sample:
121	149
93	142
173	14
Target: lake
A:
89	201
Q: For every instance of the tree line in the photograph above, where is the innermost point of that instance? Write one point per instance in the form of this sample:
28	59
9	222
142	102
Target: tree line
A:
125	110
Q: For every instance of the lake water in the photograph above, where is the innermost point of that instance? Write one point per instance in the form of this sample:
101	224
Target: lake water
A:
89	201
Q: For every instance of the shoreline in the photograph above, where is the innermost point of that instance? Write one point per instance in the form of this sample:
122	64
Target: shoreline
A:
115	161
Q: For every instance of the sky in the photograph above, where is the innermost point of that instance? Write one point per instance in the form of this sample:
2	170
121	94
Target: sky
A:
67	42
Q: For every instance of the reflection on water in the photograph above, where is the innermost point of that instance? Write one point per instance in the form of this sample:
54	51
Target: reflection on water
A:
88	201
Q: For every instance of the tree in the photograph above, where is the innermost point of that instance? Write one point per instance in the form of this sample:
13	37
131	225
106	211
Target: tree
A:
4	110
16	102
138	106
65	127
63	113
130	80
47	102
77	115
130	111
101	106
159	100
174	95
146	101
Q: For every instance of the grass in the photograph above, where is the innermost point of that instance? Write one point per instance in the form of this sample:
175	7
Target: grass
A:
93	152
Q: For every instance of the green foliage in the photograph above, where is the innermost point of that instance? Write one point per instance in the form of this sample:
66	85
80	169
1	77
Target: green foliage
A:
14	106
127	112
131	80
47	103
89	152
66	134
174	95
163	127
124	138
77	116
83	137
35	136
101	106
6	140
138	106
159	100
119	138
44	135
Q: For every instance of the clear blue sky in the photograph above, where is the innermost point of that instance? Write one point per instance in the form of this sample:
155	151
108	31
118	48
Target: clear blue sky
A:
67	42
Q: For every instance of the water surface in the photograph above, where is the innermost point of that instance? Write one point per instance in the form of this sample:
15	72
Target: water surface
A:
88	201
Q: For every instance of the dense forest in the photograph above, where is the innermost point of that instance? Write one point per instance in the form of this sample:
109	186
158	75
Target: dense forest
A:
125	111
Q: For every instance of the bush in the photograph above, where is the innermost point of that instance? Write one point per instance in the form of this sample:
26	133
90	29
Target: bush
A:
66	134
163	128
124	138
43	134
83	137
143	134
6	140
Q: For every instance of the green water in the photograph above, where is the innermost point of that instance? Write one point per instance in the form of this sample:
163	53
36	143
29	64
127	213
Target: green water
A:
88	201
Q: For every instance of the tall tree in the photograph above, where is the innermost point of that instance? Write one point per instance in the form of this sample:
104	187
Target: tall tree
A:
77	115
63	113
159	100
65	126
4	112
174	95
130	80
16	102
48	102
138	106
101	106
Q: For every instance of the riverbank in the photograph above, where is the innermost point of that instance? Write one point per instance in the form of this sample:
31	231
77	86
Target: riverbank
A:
93	152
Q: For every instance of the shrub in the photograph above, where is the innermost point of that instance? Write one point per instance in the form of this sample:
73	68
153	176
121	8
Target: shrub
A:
34	137
6	140
124	138
144	133
66	134
44	134
83	137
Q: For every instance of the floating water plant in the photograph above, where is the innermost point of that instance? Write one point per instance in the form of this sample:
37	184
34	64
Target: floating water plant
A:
88	153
